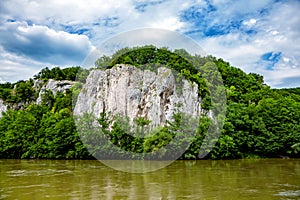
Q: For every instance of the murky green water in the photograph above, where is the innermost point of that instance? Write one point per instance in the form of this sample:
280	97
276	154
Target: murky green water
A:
233	179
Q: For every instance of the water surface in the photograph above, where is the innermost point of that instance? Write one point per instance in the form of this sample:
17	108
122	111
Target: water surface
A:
203	179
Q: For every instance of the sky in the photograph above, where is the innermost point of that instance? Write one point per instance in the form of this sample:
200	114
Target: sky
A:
259	36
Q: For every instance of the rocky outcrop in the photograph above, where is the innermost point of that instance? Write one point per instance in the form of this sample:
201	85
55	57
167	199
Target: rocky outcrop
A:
39	86
52	85
135	93
3	107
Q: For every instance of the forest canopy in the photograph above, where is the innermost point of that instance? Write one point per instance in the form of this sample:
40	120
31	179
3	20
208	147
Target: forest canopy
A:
260	121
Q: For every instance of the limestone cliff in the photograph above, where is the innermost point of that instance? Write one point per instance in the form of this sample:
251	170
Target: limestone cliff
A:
3	107
39	86
132	92
52	85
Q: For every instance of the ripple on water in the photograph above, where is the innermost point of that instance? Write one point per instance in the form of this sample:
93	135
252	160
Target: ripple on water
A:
29	186
2	195
16	173
45	172
289	193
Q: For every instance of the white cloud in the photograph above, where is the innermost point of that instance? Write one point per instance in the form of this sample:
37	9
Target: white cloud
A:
232	8
265	26
277	31
26	48
163	15
278	77
43	43
250	22
14	68
285	59
64	12
171	23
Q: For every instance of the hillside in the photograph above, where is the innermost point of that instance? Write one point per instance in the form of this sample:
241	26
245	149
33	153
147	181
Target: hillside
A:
260	121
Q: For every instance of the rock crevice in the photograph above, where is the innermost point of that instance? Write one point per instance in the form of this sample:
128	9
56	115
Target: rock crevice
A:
129	91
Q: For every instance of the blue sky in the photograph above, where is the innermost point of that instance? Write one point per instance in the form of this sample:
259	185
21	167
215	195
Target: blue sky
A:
261	36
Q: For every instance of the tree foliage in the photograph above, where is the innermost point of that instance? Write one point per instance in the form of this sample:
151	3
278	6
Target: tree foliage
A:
260	121
57	73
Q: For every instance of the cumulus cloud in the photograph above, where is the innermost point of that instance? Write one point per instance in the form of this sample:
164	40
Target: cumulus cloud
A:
44	44
252	34
58	12
242	32
250	22
14	67
154	14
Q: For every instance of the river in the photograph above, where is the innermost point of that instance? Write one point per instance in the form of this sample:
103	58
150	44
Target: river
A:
203	179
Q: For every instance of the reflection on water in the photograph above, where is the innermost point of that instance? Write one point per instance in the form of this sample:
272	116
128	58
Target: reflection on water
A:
204	179
136	166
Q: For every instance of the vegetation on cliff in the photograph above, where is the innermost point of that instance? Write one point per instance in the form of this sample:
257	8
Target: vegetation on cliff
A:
260	121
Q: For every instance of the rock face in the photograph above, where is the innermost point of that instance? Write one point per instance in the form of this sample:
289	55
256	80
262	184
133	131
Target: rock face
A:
41	86
37	85
53	86
135	93
3	107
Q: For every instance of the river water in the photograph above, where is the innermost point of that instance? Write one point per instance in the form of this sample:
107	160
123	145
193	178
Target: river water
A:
203	179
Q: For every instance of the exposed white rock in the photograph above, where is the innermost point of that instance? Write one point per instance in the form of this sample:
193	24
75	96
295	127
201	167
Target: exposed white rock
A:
37	84
132	92
54	86
3	107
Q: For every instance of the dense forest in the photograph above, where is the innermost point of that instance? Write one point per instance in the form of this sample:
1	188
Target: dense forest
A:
260	121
